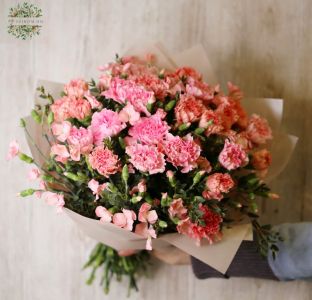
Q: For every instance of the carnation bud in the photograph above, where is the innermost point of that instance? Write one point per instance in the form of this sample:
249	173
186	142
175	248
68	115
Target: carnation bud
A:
198	177
199	131
170	176
22	123
184	126
37	118
162	224
169	106
50	117
26	193
136	199
149	107
125	173
165	200
25	158
48	178
121	142
273	196
74	177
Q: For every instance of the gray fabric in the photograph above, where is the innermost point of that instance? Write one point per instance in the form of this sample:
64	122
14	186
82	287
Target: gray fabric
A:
294	259
246	263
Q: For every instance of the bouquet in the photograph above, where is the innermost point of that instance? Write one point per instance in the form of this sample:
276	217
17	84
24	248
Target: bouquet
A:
147	156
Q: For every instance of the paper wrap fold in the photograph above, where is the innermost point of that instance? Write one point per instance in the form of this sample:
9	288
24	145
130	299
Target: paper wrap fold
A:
220	254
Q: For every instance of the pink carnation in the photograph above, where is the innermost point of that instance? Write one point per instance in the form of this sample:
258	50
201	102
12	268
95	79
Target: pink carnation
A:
129	114
182	152
149	130
13	150
122	90
177	209
76	88
211	122
33	174
258	130
70	107
146	214
104	161
147	232
96	188
188	109
217	184
104	124
232	156
210	231
146	158
61	153
54	199
61	130
80	141
104	215
125	219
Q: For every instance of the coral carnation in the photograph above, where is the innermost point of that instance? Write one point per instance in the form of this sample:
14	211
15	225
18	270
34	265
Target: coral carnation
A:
258	130
217	184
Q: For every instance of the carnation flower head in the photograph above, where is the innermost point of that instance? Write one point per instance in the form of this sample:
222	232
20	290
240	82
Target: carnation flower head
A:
258	130
76	88
80	141
232	156
122	90
70	107
261	159
146	158
182	152
210	231
217	184
104	124
149	130
188	109
104	161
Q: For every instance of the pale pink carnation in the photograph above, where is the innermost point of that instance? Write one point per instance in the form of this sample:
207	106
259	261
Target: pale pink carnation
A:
79	108
146	214
199	89
70	107
258	130
122	90
139	188
129	114
104	215
177	209
76	88
104	124
61	153
96	188
54	199
60	109
182	152
125	219
80	141
61	130
33	174
147	232
104	161
146	158
217	184
149	130
13	150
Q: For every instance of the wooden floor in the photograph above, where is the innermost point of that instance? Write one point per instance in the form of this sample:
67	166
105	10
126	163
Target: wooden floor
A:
263	46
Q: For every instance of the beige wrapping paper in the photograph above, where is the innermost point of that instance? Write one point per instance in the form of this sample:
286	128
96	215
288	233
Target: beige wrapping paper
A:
220	254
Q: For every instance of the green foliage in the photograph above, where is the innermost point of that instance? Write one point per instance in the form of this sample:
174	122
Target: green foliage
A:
113	265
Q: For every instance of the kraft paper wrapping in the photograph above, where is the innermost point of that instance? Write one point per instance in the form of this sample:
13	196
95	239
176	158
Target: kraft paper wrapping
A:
220	254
